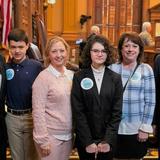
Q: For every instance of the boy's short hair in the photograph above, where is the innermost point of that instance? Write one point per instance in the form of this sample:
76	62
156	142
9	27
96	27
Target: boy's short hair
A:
18	34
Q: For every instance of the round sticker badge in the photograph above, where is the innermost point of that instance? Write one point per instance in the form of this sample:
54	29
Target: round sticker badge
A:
136	76
86	83
9	74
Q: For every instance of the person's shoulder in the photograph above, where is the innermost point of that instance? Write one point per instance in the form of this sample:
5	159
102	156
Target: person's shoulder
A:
70	72
42	79
113	73
43	75
157	58
147	67
2	58
8	65
115	67
82	72
141	33
144	34
34	62
2	61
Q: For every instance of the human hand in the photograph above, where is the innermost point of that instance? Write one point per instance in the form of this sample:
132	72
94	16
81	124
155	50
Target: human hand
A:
142	136
104	147
45	151
92	148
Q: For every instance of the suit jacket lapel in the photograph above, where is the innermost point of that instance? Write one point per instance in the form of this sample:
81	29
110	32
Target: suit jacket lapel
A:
105	82
89	74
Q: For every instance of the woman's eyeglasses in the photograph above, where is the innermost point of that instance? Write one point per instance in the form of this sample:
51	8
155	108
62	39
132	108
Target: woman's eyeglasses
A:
97	51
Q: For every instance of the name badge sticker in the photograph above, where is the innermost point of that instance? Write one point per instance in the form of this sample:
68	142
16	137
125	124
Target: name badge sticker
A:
86	83
9	74
136	76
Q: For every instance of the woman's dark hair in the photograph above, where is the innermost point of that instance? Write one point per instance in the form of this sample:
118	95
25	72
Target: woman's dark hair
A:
18	34
134	37
86	55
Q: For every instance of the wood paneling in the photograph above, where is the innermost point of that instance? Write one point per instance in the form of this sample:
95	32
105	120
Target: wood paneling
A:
63	18
23	11
71	19
149	55
153	3
115	17
54	18
154	17
22	16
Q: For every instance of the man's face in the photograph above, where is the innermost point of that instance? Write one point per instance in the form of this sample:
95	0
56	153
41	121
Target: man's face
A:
18	50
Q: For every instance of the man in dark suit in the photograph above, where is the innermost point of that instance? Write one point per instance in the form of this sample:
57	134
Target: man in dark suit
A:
3	133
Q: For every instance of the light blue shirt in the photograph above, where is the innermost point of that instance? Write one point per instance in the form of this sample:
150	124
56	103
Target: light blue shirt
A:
138	99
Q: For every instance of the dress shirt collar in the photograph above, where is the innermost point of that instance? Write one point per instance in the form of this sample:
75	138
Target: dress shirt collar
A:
98	71
23	63
57	73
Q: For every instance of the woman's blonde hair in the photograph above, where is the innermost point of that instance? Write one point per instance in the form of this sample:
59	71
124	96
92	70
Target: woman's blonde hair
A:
50	42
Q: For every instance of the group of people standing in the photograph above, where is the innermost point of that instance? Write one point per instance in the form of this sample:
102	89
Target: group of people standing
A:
109	107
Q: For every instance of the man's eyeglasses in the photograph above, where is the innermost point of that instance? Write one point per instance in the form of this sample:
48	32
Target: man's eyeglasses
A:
97	51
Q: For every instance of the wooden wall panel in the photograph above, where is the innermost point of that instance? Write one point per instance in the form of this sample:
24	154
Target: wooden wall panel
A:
23	11
22	17
63	19
71	19
117	16
54	18
153	3
137	15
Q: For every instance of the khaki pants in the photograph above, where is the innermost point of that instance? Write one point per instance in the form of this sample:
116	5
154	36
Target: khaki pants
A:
20	129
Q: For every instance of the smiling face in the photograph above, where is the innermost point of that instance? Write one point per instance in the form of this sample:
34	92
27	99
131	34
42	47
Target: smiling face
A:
98	55
58	54
130	51
18	50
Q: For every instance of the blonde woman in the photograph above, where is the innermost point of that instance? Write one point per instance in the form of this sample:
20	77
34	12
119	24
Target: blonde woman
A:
51	104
